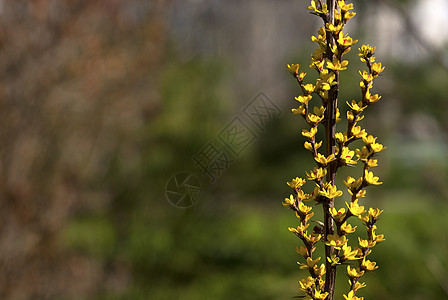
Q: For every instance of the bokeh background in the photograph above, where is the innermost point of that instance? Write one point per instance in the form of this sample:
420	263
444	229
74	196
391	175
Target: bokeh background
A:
104	104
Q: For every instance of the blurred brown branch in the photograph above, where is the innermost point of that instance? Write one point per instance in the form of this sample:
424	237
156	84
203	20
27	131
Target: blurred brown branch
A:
76	80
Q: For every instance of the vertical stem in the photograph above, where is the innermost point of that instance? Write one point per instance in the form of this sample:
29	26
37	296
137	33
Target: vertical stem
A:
330	131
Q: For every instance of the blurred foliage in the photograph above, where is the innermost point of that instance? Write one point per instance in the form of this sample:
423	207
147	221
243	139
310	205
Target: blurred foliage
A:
100	106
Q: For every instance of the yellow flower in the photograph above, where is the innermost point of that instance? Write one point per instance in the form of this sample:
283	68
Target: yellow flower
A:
360	194
362	252
366	244
372	99
376	147
354	208
315	7
309	134
317	64
347	253
322	160
345	7
334	48
336	241
368	265
304	99
327	77
347	156
299	231
336	65
299	111
351	117
320	295
345	41
307	217
302	196
366	51
359	285
309	146
363	154
369	139
315	119
367	77
347	228
372	163
310	263
369	178
338	114
334	260
348	16
332	28
365	219
301	76
316	174
302	251
377	238
338	215
329	191
321	36
377	68
289	202
372	59
337	16
351	296
315	193
293	68
341	138
324	96
319	53
296	183
354	273
319	111
374	214
356	107
312	238
353	184
303	209
319	271
358	132
306	283
309	88
322	85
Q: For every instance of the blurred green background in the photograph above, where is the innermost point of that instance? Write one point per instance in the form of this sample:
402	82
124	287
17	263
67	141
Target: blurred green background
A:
104	101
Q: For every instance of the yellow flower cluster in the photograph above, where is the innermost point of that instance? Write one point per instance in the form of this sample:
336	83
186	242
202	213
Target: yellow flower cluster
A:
334	230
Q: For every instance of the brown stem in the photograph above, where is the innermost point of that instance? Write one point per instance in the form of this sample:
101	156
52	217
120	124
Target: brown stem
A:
330	130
